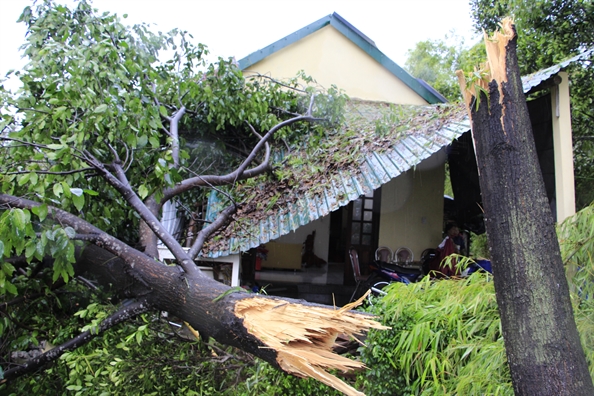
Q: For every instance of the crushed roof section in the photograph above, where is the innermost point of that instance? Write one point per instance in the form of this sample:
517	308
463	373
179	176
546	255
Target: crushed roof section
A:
358	38
533	80
378	143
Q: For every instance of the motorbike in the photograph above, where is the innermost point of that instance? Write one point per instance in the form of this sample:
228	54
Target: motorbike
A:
384	273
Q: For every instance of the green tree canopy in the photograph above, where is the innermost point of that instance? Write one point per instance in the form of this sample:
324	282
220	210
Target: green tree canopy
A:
550	31
104	132
436	62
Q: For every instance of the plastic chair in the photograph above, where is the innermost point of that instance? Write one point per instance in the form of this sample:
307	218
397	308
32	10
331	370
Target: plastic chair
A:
383	254
404	255
354	256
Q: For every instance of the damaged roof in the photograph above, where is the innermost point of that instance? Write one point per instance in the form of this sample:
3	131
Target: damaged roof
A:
378	142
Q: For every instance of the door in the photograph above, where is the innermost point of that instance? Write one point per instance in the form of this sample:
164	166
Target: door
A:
363	231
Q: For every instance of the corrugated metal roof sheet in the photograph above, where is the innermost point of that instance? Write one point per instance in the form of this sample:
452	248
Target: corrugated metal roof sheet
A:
377	161
532	80
372	168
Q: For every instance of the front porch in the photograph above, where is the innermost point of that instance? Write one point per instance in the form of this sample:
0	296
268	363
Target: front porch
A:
322	285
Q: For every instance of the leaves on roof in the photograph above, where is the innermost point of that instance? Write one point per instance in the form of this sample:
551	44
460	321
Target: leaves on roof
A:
306	171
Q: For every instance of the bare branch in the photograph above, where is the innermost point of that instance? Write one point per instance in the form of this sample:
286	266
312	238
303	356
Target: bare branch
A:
212	227
282	84
241	172
86	282
35	110
174	132
120	183
25	143
46	172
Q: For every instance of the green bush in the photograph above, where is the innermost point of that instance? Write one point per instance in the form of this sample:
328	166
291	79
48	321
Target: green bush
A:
446	335
445	339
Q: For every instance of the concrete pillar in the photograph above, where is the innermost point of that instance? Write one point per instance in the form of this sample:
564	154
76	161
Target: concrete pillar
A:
563	146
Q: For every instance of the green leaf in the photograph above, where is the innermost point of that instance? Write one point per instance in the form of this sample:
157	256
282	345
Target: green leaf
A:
154	142
66	189
19	218
8	269
100	109
58	190
11	288
91	192
142	191
78	201
24	179
163	111
142	141
40	211
30	250
70	232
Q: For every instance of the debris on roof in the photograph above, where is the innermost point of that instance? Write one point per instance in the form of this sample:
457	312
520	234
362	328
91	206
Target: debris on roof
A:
378	142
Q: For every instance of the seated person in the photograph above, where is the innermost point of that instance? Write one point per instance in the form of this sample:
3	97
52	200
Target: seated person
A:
453	232
453	243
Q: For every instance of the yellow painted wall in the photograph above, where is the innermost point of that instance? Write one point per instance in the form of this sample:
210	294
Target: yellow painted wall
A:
412	210
321	244
331	58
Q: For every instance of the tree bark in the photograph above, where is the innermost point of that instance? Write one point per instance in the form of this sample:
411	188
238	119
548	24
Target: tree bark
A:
543	347
292	335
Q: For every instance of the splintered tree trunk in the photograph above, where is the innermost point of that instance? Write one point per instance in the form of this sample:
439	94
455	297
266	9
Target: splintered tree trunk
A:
293	335
543	347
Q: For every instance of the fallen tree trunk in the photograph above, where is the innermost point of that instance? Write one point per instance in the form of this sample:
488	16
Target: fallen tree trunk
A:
292	335
543	347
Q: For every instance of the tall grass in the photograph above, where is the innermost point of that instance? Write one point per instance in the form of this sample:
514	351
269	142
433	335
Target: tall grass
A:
576	240
446	337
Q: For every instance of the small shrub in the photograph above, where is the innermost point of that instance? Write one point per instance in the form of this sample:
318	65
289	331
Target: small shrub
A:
445	339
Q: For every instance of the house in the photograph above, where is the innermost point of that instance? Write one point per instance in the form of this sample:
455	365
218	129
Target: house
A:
333	51
380	180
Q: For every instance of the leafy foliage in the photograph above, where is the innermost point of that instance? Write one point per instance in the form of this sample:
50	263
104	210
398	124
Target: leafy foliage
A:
436	62
447	340
446	335
102	127
550	31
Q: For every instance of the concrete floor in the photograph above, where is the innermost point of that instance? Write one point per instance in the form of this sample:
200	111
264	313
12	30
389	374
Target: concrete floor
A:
321	285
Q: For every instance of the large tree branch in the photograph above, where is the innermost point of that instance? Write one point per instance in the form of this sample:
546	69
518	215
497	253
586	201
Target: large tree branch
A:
290	334
113	245
120	182
212	227
123	314
241	172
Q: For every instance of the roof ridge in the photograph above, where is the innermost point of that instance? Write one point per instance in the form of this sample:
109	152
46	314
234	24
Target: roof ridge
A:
353	34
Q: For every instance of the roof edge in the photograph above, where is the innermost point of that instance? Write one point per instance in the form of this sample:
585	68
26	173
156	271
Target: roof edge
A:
260	54
428	93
